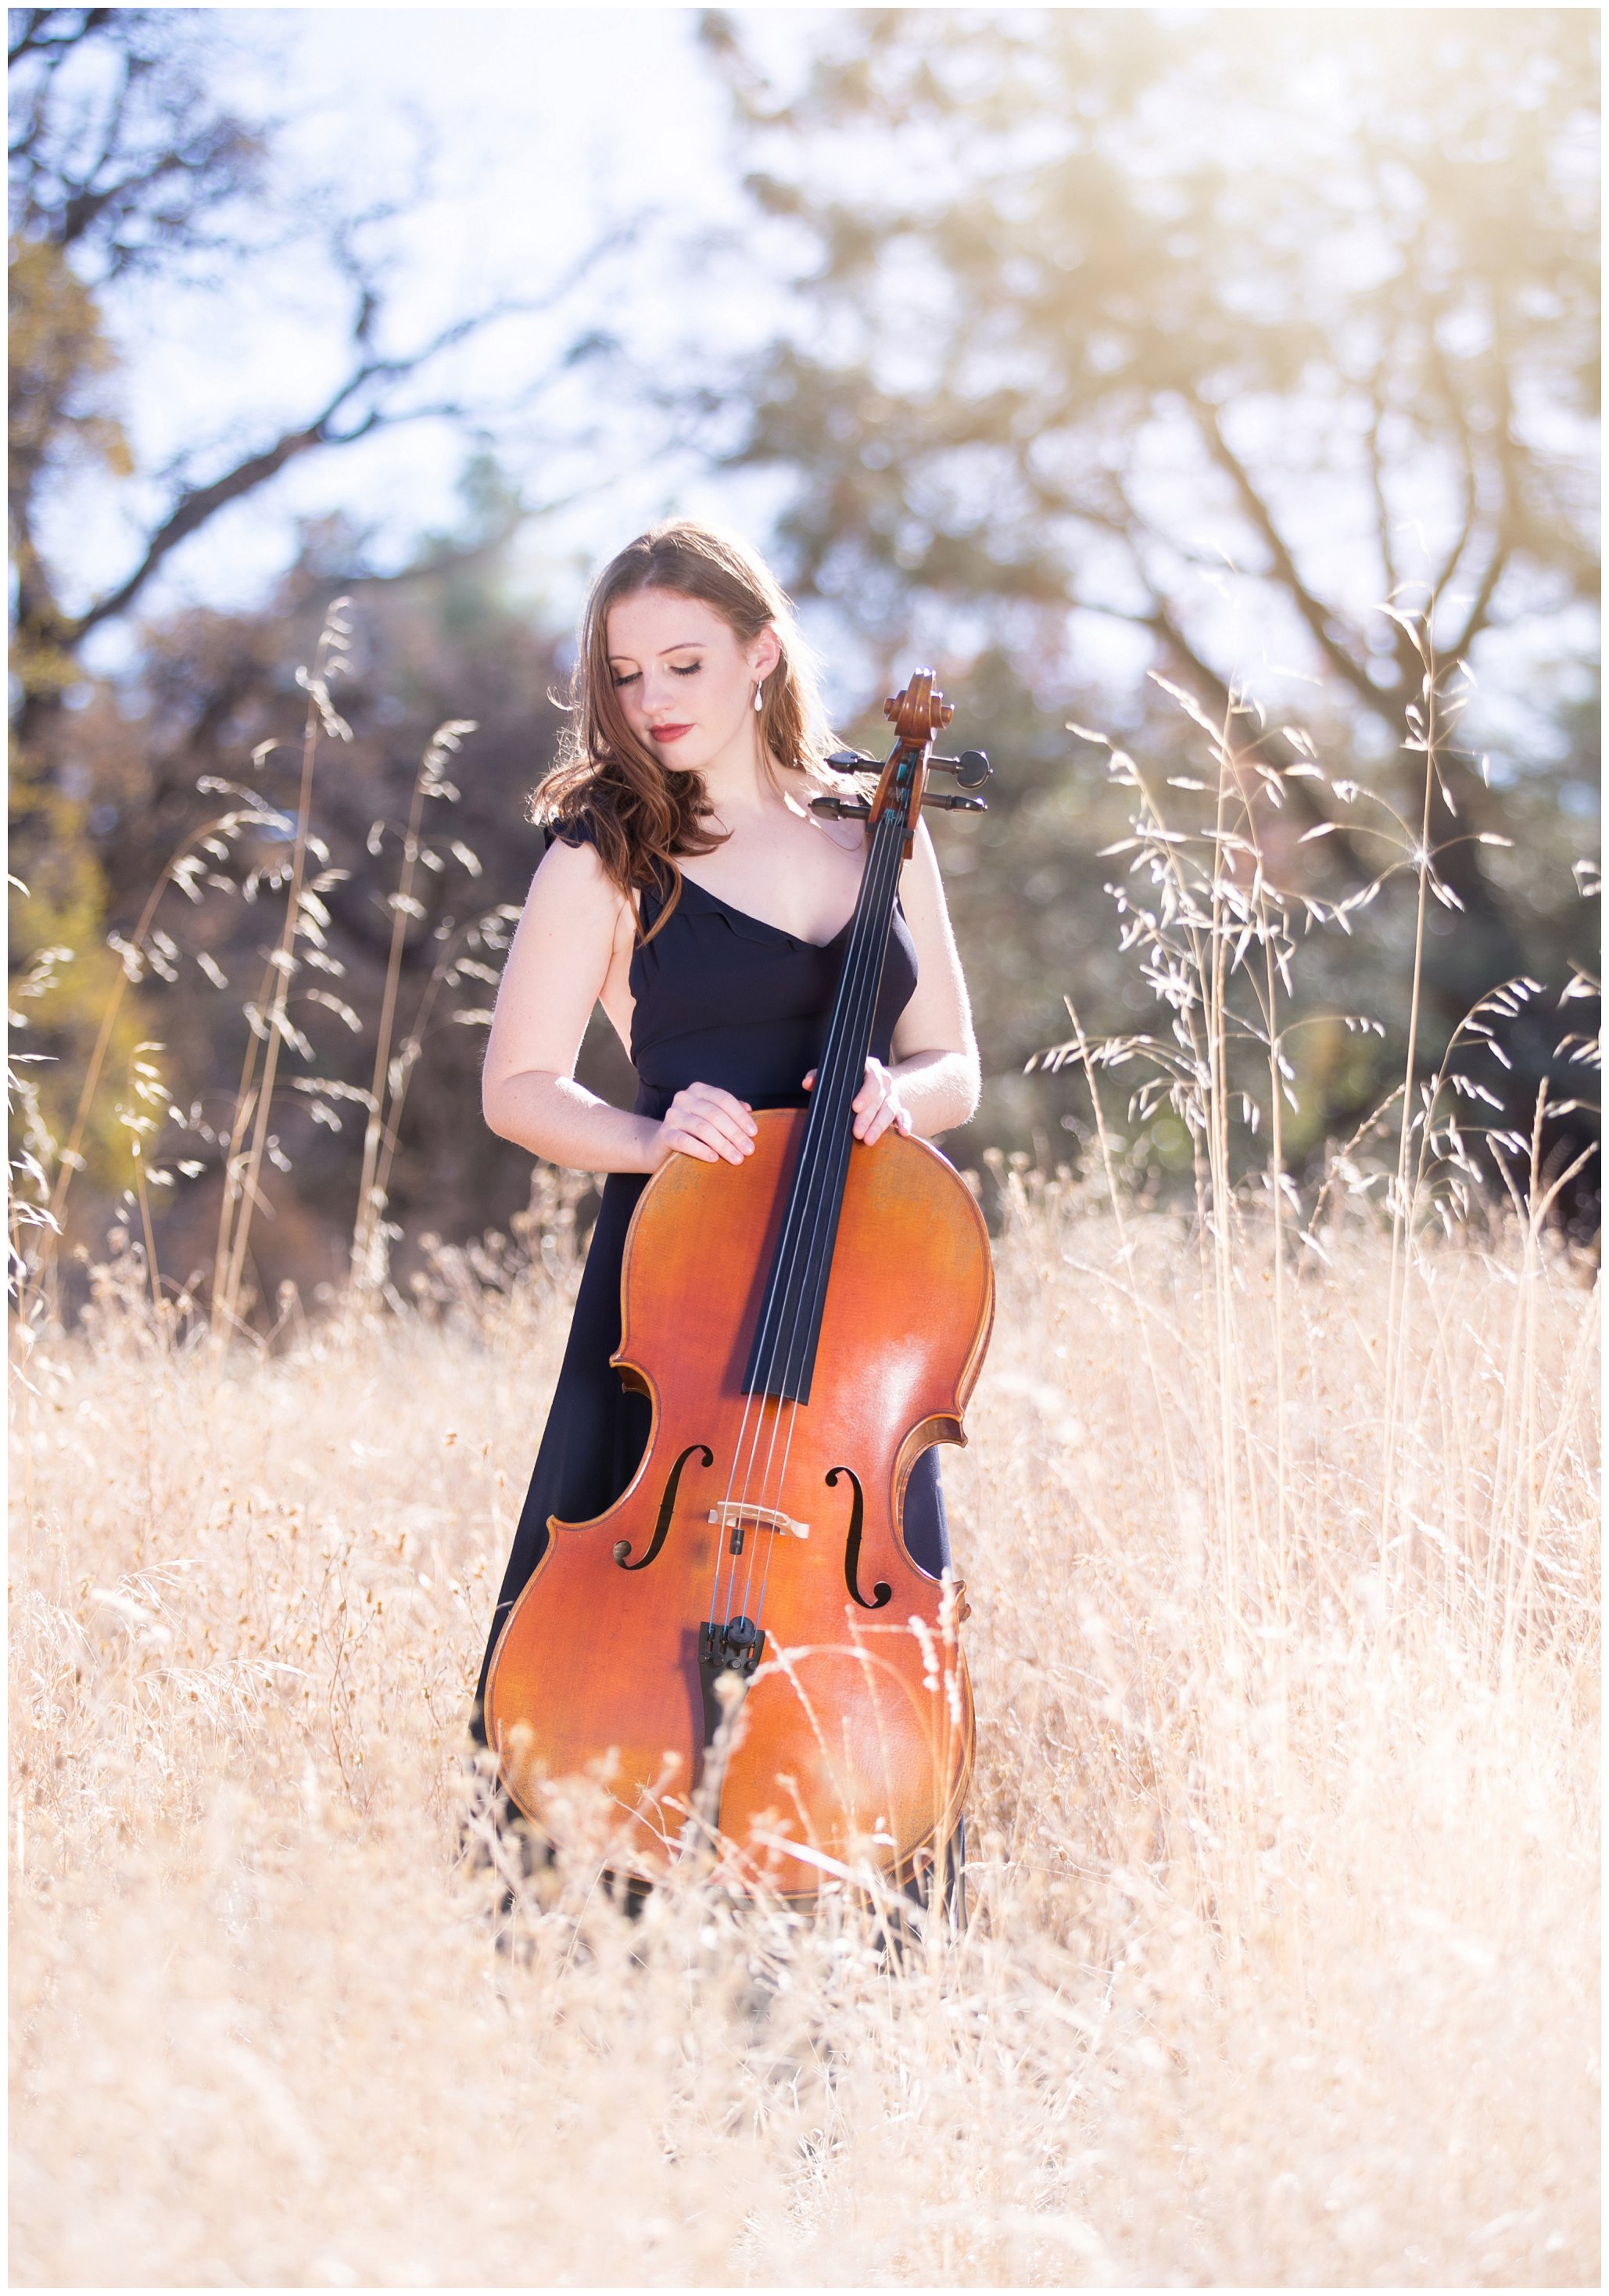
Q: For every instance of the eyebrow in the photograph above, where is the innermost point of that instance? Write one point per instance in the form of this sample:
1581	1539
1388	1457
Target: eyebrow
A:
664	650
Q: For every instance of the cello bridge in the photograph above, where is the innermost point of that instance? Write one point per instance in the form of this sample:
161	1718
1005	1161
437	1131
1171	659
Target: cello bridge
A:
736	1514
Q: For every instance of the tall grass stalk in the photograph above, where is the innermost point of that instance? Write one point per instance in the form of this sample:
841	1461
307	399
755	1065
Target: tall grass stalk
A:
1277	1976
1425	733
1279	1525
255	1099
368	1255
139	953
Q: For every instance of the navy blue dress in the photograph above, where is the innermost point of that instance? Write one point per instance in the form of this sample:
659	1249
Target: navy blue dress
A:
721	998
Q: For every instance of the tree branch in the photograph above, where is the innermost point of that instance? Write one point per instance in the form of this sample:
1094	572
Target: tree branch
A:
1377	478
196	505
1320	619
1474	622
33	38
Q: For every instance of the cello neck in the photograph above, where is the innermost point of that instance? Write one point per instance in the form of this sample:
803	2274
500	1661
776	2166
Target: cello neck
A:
782	1358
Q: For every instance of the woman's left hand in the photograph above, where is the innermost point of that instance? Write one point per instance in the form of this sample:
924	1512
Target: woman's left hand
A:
878	1105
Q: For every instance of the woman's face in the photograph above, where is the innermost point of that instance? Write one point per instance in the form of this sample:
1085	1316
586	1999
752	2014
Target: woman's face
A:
683	676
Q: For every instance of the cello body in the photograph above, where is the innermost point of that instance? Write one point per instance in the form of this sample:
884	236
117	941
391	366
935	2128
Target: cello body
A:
848	1741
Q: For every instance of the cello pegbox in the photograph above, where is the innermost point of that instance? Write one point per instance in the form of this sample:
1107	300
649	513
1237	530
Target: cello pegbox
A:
919	711
917	714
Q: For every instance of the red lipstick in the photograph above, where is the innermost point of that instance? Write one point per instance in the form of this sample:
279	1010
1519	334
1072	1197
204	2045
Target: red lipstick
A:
667	732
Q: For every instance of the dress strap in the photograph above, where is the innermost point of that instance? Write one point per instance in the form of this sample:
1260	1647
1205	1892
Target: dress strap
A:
650	898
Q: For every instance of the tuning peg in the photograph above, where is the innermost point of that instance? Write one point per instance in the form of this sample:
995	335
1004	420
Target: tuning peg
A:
850	761
841	808
946	804
971	770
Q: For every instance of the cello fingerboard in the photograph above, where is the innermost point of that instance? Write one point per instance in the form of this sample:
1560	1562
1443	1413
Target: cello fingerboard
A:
782	1358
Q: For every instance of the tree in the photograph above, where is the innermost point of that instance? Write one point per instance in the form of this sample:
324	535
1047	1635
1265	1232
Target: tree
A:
1088	244
128	172
1093	301
123	163
219	704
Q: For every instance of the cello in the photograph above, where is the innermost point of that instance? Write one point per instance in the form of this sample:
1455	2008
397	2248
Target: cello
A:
739	1652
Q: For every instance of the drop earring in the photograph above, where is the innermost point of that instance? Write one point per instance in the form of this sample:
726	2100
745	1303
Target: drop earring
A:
759	699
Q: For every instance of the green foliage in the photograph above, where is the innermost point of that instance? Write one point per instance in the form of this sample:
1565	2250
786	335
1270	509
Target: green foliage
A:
112	170
219	706
61	366
1090	305
1096	305
1087	296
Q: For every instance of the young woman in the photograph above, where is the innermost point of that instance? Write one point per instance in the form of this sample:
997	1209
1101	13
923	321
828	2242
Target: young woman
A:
688	890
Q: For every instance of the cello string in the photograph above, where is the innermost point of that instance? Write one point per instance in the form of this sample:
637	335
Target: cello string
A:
773	1479
838	1056
799	1281
830	1198
777	1298
800	1194
860	1016
830	1079
836	1083
849	1072
810	1188
815	1169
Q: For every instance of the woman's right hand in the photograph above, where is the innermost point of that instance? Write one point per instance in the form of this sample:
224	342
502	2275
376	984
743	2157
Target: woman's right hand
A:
706	1122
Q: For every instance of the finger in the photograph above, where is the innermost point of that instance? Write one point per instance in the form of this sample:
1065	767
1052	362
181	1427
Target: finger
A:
681	1143
723	1137
729	1105
810	1081
692	1143
712	1095
742	1133
701	1104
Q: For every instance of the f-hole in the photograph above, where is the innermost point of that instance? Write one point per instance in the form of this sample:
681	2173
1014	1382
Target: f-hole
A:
881	1592
667	1507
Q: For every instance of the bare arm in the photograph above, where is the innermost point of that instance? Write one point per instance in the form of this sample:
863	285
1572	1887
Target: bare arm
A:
935	1062
571	948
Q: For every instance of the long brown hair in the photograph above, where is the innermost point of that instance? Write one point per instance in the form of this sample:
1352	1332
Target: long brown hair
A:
607	785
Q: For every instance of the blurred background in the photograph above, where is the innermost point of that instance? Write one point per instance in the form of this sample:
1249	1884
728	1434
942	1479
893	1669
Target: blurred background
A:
1065	350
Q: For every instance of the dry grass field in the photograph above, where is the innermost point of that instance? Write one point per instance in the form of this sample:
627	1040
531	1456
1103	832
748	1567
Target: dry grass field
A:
1282	1959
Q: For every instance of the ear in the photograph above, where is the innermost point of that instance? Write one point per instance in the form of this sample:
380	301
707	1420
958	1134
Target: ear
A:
765	652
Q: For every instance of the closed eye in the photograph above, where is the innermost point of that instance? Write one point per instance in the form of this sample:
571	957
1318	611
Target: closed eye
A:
686	670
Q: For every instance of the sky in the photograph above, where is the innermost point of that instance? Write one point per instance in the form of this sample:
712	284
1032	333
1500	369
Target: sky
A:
512	140
540	131
509	142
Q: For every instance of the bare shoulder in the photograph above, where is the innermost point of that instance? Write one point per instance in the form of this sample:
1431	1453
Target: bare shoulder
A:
571	882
